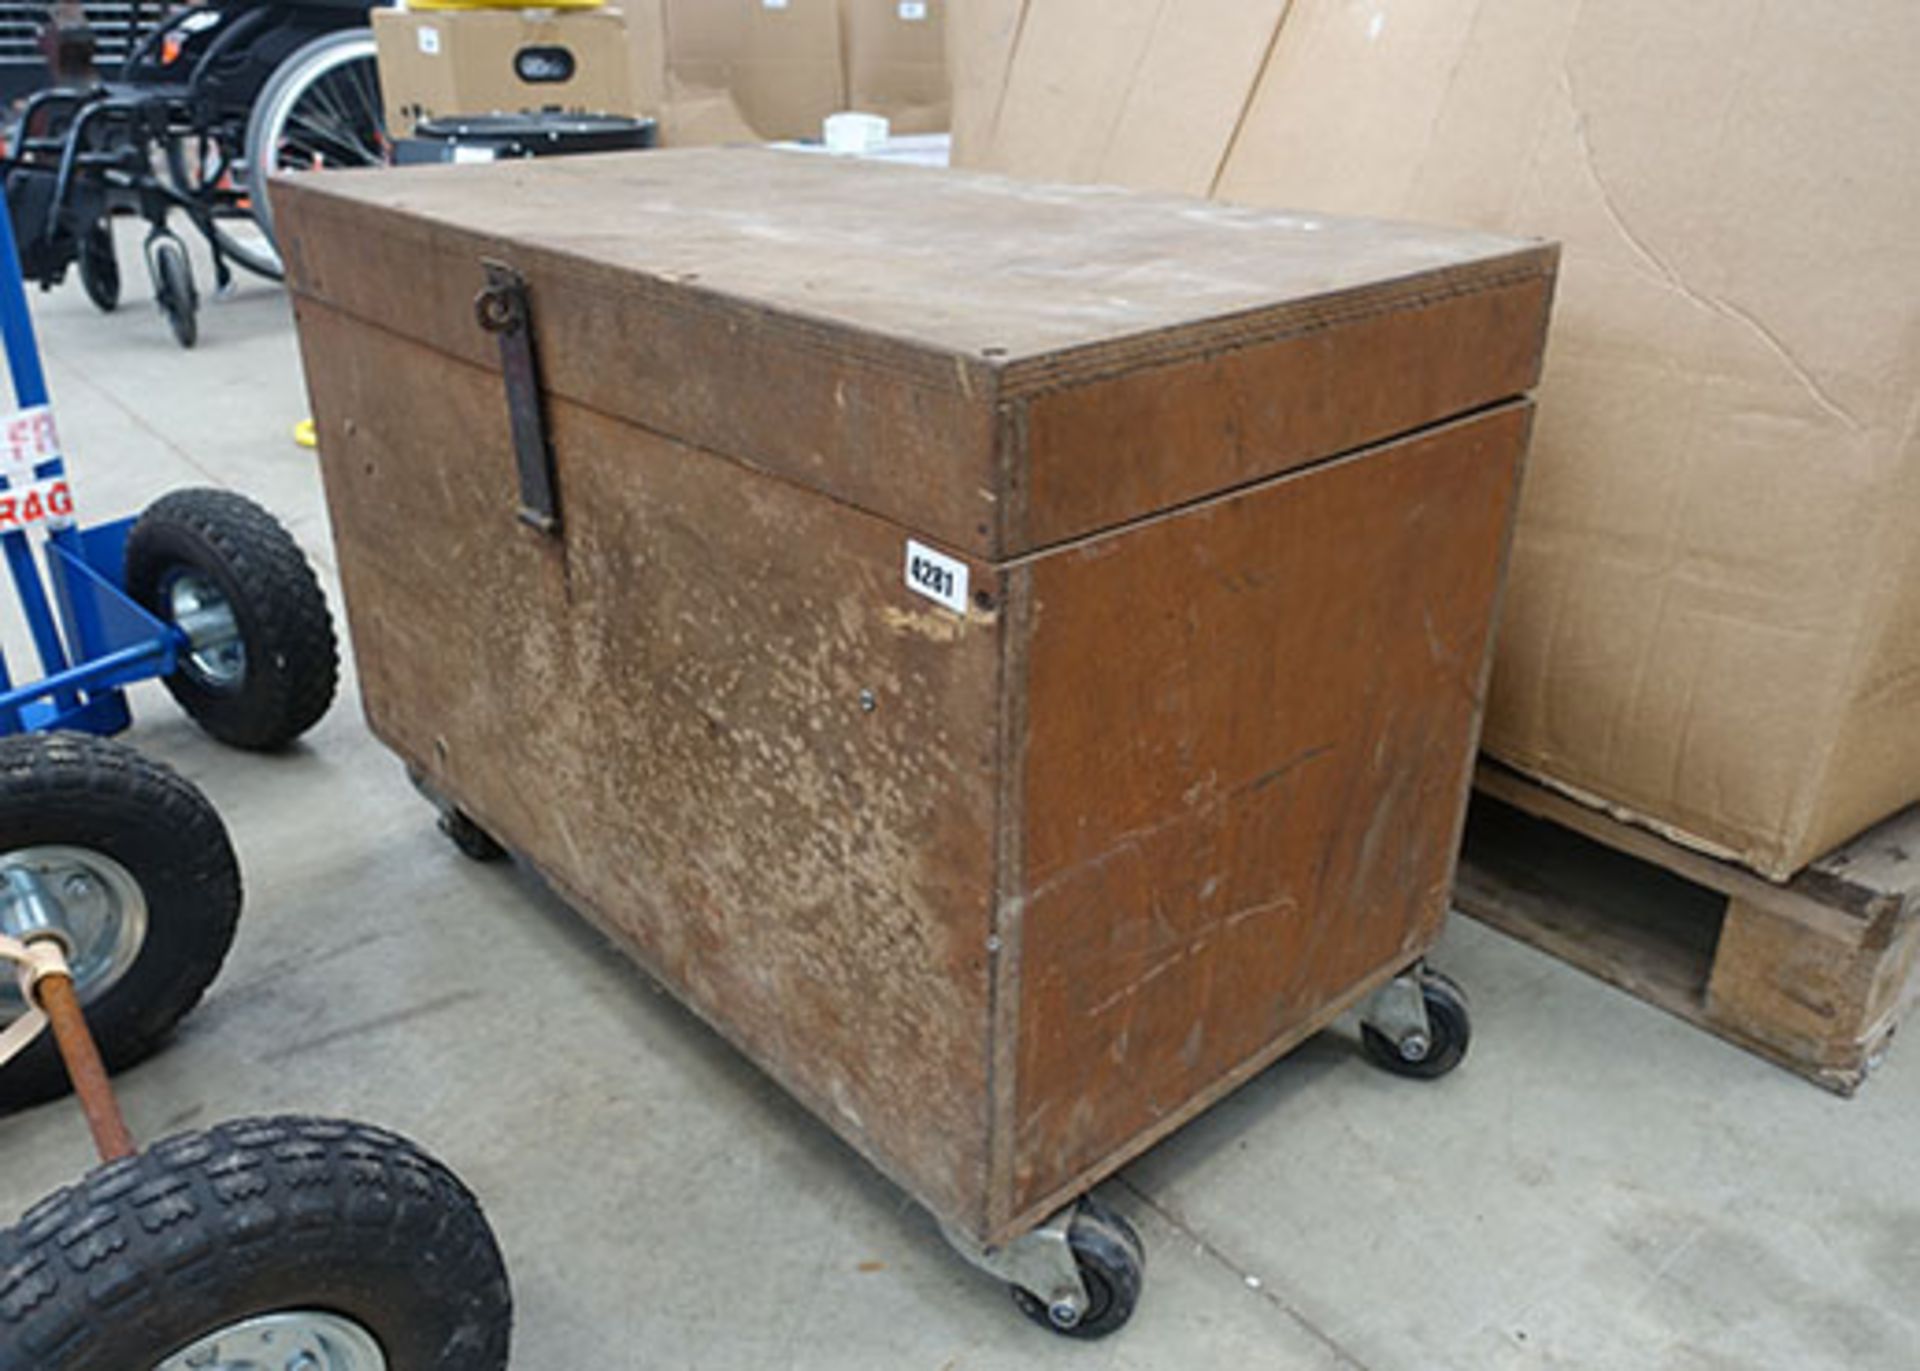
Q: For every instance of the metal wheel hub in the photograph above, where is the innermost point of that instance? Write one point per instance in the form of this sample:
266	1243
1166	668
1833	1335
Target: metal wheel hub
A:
301	1340
217	657
87	900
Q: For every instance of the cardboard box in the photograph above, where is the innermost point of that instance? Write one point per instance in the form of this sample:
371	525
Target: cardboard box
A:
980	41
896	60
750	70
1126	91
1713	625
444	62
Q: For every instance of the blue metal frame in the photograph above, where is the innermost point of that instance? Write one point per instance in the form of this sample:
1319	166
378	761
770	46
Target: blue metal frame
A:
91	637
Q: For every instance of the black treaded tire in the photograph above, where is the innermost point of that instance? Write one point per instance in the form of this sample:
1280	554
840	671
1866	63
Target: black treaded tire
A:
99	267
71	790
148	1255
293	659
1112	1266
173	290
1451	1028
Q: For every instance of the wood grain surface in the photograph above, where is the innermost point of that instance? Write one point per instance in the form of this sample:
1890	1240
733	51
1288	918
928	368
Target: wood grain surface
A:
890	335
663	714
1248	732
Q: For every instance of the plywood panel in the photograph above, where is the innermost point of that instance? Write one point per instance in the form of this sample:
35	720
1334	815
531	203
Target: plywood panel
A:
1247	741
886	334
663	712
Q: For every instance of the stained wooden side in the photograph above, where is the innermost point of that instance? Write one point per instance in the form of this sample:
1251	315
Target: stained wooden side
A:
1150	436
1815	974
1820	997
883	425
1248	735
961	264
1875	876
662	710
1825	1004
1001	366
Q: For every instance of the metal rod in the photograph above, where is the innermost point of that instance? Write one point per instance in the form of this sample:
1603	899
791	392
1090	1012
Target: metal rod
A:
33	601
84	1067
86	676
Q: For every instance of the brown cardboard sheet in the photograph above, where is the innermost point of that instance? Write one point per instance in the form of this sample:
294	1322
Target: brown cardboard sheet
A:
1713	624
750	70
896	61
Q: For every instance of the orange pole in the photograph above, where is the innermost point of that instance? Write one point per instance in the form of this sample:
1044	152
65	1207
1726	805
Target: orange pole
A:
88	1072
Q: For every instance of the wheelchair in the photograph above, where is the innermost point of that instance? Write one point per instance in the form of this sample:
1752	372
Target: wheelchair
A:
209	103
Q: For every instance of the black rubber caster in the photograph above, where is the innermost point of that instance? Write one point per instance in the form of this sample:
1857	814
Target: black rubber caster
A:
173	289
1450	1030
133	865
99	267
472	840
1112	1265
262	664
285	1242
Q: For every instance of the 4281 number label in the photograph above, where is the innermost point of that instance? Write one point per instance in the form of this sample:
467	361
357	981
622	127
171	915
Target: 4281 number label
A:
940	578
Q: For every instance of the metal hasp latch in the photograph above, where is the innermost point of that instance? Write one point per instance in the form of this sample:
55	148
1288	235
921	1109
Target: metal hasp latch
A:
502	309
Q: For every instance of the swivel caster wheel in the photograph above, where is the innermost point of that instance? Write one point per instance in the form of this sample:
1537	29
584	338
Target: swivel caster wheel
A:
472	840
173	288
1417	1025
461	828
99	268
1079	1274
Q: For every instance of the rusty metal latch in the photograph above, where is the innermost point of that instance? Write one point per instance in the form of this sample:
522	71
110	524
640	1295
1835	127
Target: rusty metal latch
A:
503	311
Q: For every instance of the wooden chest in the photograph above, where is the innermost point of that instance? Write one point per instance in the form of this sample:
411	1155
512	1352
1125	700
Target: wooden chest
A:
1009	656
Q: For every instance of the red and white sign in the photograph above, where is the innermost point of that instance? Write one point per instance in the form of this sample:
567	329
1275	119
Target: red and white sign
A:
43	502
26	440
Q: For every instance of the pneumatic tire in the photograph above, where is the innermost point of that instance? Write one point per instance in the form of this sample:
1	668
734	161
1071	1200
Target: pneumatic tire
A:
144	862
277	675
181	1256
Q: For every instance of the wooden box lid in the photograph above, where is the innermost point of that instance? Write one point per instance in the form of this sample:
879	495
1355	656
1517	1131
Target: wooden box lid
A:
997	365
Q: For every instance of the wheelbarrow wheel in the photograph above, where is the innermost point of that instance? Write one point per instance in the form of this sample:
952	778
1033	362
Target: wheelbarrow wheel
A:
284	1242
134	865
262	664
173	288
99	267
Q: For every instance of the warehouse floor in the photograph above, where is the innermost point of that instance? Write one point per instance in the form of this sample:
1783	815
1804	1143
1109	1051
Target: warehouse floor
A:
1599	1186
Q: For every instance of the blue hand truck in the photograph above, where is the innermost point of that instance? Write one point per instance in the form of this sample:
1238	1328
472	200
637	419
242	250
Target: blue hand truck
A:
205	590
119	896
115	857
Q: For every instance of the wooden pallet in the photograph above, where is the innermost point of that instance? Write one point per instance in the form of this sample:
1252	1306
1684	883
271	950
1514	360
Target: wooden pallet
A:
1813	974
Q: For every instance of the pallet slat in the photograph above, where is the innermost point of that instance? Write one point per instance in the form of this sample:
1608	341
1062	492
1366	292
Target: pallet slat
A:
1813	974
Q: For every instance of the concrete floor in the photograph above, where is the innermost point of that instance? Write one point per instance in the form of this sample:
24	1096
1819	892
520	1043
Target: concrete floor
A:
1600	1186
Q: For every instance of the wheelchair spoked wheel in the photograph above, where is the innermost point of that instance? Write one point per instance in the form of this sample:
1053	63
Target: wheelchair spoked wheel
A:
173	289
99	268
320	109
